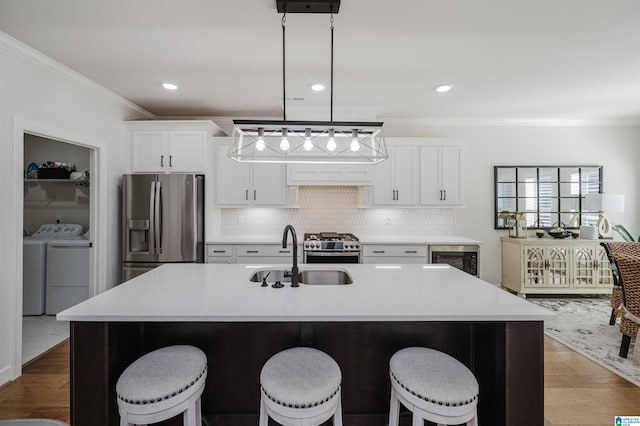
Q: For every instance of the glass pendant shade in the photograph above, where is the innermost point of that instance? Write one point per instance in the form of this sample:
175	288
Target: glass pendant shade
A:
308	142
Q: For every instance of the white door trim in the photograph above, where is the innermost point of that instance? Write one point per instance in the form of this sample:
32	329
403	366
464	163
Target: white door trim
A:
97	205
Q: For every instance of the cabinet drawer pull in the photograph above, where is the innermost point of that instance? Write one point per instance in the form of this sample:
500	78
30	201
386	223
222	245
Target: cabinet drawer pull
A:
162	161
219	251
252	251
284	251
411	251
378	251
171	161
254	194
246	194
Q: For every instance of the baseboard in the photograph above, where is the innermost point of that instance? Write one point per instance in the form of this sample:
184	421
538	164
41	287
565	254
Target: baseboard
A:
5	375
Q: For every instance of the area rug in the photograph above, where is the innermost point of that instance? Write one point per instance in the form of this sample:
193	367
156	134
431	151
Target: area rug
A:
583	325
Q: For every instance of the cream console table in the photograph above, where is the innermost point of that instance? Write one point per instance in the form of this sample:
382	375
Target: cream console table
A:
555	266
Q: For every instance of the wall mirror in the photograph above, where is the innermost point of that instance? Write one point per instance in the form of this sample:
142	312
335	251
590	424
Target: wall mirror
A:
546	194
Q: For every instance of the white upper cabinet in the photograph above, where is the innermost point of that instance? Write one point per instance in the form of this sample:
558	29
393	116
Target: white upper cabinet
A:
440	175
249	184
169	146
395	181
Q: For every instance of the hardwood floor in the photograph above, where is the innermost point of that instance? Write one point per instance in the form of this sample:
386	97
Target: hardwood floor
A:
578	392
43	389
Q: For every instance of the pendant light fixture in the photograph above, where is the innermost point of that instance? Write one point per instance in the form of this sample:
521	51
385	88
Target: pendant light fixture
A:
284	141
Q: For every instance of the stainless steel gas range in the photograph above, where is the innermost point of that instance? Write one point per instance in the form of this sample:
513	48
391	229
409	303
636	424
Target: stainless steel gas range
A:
331	247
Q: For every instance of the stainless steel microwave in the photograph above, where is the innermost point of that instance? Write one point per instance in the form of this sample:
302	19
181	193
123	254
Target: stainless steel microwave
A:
463	257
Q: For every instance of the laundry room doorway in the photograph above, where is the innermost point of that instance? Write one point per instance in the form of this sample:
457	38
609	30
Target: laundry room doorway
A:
56	238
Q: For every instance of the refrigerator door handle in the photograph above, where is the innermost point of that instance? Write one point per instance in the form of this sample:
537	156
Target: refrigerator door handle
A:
158	218
152	222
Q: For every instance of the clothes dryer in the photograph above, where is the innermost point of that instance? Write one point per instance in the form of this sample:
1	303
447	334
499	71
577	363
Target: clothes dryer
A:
67	274
34	264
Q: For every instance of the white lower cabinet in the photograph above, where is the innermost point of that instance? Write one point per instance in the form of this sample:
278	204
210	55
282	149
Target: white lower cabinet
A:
394	253
220	253
259	254
547	266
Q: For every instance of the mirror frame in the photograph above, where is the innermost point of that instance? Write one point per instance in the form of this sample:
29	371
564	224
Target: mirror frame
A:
534	221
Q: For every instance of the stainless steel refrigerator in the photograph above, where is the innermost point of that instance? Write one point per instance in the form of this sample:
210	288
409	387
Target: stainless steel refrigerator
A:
162	221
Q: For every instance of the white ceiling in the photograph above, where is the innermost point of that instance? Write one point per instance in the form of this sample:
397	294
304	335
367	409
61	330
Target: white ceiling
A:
508	59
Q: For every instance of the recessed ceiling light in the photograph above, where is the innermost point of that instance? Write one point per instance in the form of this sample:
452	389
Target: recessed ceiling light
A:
170	86
317	87
441	88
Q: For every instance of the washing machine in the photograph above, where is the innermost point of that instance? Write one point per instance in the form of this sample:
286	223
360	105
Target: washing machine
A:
67	273
34	265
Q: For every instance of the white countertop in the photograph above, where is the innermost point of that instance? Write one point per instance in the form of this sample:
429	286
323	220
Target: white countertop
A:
367	239
209	292
429	240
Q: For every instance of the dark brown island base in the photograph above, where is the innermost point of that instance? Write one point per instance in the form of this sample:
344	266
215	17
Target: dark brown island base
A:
505	351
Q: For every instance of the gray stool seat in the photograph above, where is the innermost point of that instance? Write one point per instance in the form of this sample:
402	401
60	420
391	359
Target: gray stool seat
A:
433	386
434	377
300	378
161	374
163	384
32	422
300	387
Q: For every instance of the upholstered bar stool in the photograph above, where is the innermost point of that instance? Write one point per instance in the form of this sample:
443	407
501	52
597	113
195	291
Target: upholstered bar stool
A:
433	386
161	385
300	387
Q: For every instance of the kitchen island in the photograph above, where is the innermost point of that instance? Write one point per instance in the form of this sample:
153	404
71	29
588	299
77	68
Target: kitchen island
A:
240	324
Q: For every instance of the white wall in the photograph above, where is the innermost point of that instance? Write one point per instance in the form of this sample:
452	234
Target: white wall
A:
41	93
616	148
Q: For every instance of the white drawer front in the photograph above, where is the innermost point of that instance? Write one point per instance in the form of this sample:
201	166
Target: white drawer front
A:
222	250
264	250
411	250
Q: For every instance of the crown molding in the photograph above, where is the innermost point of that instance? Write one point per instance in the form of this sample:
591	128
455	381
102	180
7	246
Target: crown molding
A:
37	58
544	122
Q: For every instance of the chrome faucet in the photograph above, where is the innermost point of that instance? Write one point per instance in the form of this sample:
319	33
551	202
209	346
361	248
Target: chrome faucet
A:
294	269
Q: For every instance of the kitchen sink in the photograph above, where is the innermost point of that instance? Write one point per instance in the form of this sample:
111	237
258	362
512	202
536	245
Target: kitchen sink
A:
324	277
273	275
309	276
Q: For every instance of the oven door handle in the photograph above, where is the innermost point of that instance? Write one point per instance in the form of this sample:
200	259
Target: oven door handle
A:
332	253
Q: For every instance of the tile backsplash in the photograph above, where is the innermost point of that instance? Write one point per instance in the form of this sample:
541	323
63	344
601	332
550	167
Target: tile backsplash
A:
335	208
